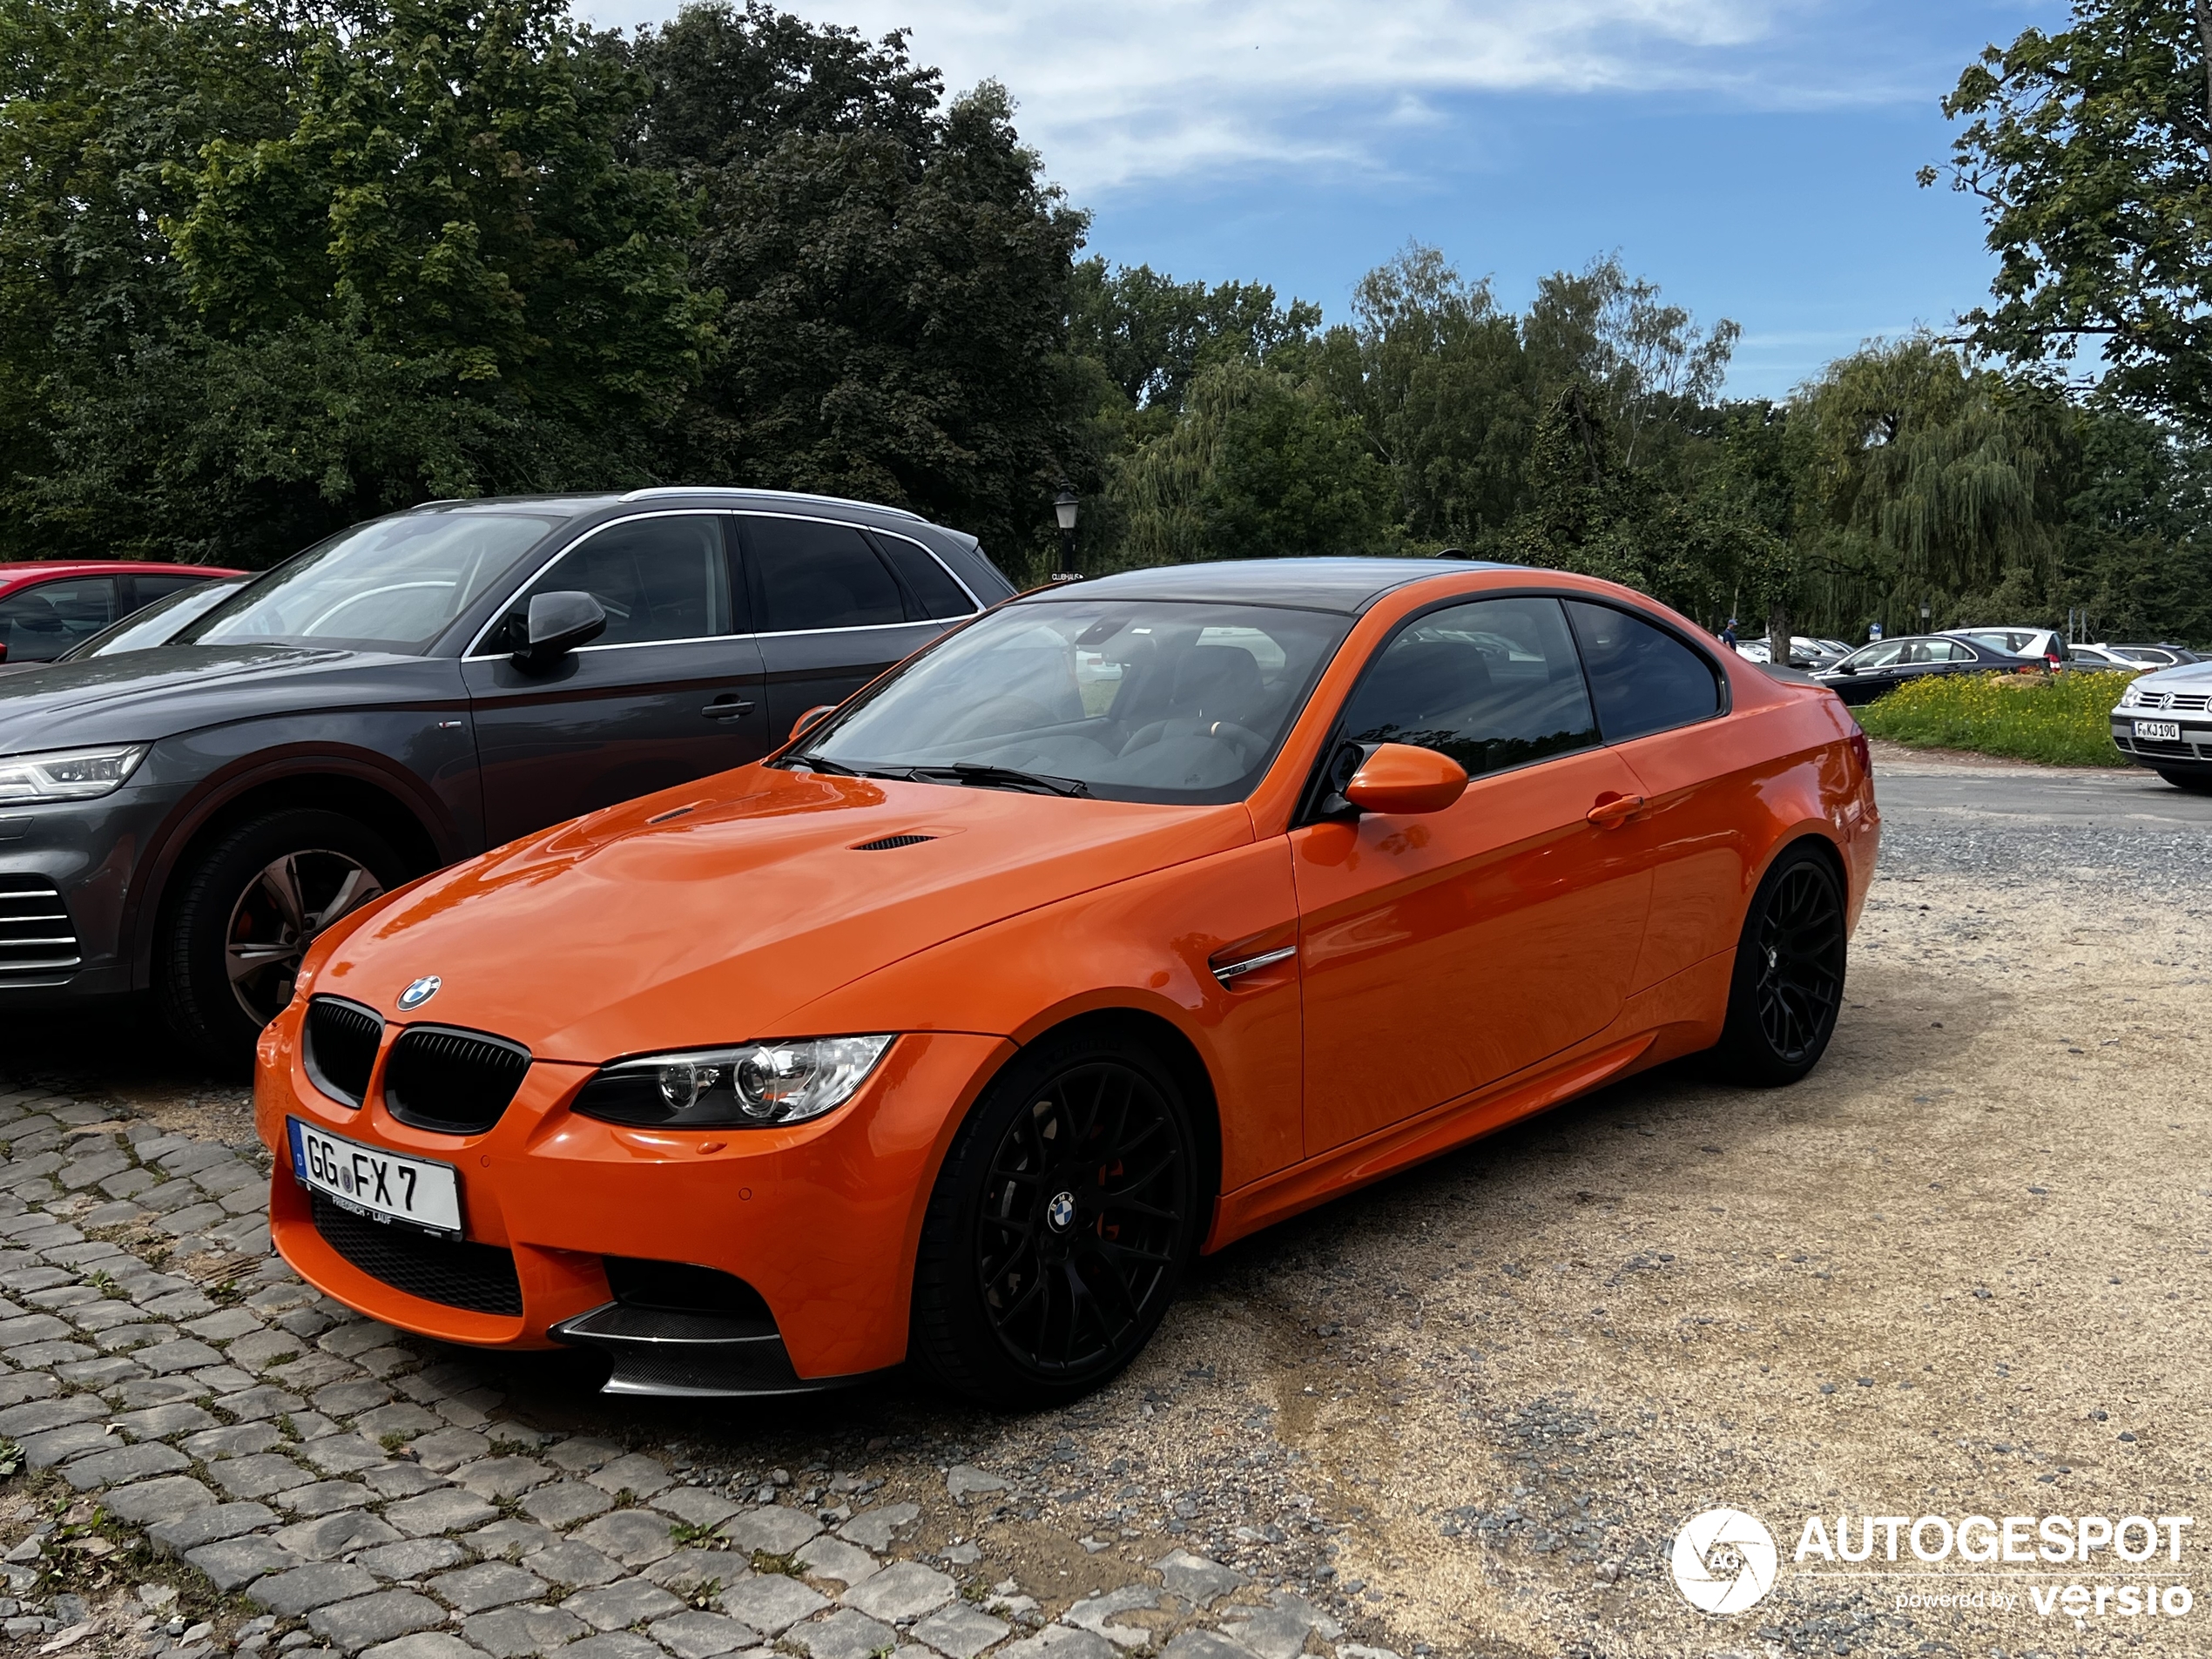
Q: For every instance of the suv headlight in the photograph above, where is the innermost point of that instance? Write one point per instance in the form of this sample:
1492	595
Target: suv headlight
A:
67	774
754	1085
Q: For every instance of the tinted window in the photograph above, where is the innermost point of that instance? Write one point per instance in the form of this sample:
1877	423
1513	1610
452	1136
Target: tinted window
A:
39	624
657	578
925	579
1493	683
1879	655
813	575
1642	677
146	589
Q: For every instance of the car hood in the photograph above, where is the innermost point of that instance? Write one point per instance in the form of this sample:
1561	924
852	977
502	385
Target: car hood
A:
141	696
715	912
2193	675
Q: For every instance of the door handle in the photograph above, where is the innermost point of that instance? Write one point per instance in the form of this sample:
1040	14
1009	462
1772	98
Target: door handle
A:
726	708
1615	810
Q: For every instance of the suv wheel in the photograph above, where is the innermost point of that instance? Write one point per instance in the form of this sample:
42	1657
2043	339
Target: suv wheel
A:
1788	986
247	908
1060	1224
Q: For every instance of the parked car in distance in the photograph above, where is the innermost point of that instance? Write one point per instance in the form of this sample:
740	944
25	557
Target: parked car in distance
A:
2164	721
155	624
2157	656
2102	659
1888	663
186	818
1812	655
956	1030
2045	643
47	607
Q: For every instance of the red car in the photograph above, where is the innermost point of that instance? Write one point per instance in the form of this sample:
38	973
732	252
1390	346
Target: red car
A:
48	606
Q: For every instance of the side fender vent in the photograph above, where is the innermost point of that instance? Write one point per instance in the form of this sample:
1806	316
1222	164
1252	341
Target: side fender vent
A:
887	842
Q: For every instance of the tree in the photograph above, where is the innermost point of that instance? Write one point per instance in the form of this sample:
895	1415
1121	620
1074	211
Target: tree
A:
1152	333
1261	466
2090	151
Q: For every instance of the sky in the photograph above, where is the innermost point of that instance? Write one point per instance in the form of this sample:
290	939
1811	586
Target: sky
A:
1754	158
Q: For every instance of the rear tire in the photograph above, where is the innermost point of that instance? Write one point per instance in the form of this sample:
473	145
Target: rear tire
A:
2196	783
1060	1225
246	908
1788	986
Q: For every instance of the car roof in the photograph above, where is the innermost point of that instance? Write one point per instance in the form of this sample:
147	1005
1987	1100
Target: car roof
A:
570	506
1349	585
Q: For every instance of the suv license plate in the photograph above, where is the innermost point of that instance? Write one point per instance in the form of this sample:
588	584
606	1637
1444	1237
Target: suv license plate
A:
371	1181
2159	731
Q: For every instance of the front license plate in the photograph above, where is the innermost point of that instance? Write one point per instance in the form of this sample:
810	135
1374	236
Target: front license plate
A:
371	1181
2159	731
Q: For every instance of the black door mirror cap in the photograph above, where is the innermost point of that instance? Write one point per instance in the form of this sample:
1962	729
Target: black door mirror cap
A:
557	624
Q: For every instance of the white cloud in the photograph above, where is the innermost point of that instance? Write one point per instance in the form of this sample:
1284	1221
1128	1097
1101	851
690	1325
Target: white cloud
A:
1133	91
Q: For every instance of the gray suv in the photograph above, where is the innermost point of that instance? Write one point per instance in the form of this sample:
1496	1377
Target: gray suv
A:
415	690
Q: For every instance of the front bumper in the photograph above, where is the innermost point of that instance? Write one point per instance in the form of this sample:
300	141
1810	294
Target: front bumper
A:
2192	753
822	1219
67	876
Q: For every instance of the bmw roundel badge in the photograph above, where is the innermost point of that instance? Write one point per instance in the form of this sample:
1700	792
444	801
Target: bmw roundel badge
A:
418	993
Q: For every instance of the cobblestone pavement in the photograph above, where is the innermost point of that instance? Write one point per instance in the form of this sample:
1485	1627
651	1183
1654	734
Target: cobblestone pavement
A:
1963	1268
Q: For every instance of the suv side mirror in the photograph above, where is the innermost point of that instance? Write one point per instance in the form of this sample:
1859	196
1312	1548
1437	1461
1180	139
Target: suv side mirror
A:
557	624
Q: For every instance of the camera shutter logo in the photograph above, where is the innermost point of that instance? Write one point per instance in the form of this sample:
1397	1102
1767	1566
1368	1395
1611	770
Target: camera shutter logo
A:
1724	1560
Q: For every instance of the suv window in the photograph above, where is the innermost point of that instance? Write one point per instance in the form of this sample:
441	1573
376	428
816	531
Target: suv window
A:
1642	677
926	581
657	578
1493	683
810	573
39	624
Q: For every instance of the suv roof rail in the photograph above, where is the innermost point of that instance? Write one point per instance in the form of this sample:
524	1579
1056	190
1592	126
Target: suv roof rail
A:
781	494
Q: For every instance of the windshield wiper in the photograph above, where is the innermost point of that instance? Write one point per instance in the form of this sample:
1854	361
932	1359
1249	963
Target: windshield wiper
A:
838	768
977	775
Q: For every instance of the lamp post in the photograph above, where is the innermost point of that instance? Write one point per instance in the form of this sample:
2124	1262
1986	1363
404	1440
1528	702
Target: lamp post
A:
1063	508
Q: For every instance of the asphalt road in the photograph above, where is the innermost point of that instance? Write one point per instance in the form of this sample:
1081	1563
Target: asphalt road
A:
1918	794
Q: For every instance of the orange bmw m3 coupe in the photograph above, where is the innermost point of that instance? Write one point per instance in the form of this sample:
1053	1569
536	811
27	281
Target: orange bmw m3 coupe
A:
1129	918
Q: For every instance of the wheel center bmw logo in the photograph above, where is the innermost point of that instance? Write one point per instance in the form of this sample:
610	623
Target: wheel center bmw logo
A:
1061	1212
418	993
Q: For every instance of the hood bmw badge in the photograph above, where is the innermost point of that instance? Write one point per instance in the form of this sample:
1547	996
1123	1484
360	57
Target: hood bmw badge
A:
418	993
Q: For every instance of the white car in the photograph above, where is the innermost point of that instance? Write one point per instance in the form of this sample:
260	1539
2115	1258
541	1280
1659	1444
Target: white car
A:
2051	646
2164	721
2102	657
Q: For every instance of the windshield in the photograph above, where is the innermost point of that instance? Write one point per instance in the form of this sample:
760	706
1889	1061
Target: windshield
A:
158	622
1132	699
391	585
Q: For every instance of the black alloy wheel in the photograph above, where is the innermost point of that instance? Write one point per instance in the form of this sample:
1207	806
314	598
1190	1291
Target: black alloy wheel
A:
1788	986
243	912
1060	1225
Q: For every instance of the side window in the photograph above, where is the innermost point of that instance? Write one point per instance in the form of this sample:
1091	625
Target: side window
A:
1880	656
39	624
657	578
810	573
925	579
1493	683
144	589
1642	677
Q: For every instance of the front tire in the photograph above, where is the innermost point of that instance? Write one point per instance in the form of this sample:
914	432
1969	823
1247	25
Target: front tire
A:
2196	783
1060	1225
247	908
1788	986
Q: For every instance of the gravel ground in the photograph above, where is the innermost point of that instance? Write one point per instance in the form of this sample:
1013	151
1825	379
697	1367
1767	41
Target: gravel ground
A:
1961	1270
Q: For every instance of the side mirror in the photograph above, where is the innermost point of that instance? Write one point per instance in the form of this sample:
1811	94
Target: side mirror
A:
1844	667
1398	778
557	624
809	720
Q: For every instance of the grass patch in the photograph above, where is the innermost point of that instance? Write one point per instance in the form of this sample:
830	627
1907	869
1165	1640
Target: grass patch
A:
2061	719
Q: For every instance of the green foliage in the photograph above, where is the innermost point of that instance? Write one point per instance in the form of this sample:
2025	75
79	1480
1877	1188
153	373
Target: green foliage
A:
2060	719
2088	151
1152	333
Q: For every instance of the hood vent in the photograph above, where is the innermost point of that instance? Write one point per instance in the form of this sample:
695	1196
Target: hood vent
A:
887	842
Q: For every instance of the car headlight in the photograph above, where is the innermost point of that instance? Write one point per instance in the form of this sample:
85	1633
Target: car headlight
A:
754	1085
67	774
2131	697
